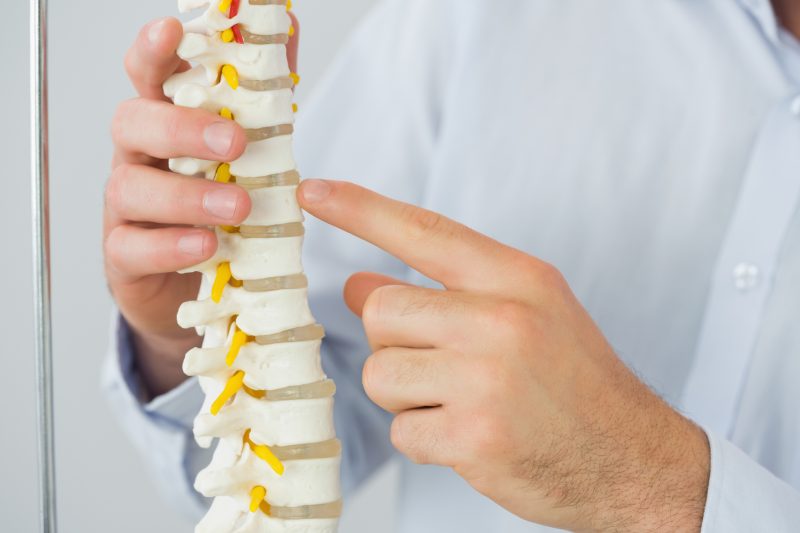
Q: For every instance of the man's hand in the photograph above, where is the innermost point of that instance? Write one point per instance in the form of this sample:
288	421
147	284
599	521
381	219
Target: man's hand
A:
152	216
504	377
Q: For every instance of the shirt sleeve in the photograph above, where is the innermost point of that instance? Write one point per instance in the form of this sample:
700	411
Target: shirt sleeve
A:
743	496
160	430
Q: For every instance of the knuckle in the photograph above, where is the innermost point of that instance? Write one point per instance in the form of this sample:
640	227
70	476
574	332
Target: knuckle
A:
549	276
508	317
415	441
113	248
492	383
375	307
118	122
129	62
421	223
114	193
405	442
486	436
173	126
396	435
370	377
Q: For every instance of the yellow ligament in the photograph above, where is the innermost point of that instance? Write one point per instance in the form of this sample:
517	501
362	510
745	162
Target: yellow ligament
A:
227	36
223	173
231	76
263	452
233	386
221	281
225	6
257	394
257	496
226	113
295	78
288	5
239	340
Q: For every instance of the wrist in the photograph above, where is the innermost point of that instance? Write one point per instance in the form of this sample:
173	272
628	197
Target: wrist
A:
669	492
158	359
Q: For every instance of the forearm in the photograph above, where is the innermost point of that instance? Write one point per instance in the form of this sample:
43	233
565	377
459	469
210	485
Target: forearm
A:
158	360
643	467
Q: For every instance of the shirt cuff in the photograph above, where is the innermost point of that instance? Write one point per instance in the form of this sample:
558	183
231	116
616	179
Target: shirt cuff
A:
743	496
161	429
176	408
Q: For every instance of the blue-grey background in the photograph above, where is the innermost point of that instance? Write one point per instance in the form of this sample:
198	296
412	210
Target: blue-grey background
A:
101	485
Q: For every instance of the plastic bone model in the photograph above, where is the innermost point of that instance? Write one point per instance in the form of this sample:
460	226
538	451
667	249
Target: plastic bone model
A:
268	403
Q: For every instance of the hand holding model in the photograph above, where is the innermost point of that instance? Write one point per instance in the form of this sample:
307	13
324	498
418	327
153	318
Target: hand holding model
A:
501	375
151	214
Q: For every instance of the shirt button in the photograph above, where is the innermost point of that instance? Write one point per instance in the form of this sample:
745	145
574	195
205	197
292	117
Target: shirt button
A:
796	107
746	276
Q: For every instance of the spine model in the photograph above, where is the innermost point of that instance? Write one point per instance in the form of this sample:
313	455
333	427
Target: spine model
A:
269	406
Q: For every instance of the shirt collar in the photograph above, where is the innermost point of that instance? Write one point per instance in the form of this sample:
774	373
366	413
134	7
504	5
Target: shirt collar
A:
762	12
785	45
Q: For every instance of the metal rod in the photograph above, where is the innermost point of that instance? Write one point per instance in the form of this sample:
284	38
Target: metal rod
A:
41	264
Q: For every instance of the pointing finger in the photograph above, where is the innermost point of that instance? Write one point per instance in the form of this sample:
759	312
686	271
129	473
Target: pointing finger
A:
436	246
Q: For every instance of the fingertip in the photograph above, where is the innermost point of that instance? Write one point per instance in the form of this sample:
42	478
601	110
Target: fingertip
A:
227	204
243	207
361	285
353	294
161	37
225	138
313	192
152	58
163	32
294	43
196	245
239	143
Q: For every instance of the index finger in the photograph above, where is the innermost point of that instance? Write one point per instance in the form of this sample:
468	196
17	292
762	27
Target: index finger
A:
442	249
152	58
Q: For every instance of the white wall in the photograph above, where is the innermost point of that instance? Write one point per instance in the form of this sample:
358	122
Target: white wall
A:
101	483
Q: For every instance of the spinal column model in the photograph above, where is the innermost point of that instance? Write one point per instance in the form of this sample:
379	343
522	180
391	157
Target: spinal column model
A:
276	466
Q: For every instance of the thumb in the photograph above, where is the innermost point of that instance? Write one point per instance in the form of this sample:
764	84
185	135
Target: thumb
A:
360	286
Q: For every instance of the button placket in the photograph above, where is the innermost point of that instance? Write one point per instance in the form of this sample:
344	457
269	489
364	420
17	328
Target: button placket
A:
795	106
768	199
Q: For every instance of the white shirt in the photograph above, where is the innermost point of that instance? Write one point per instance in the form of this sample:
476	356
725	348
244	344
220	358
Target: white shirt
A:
650	150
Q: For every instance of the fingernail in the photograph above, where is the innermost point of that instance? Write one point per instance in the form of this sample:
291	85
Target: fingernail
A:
221	203
155	31
315	190
219	137
193	244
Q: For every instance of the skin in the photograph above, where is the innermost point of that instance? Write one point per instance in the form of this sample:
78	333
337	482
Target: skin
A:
788	12
500	374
